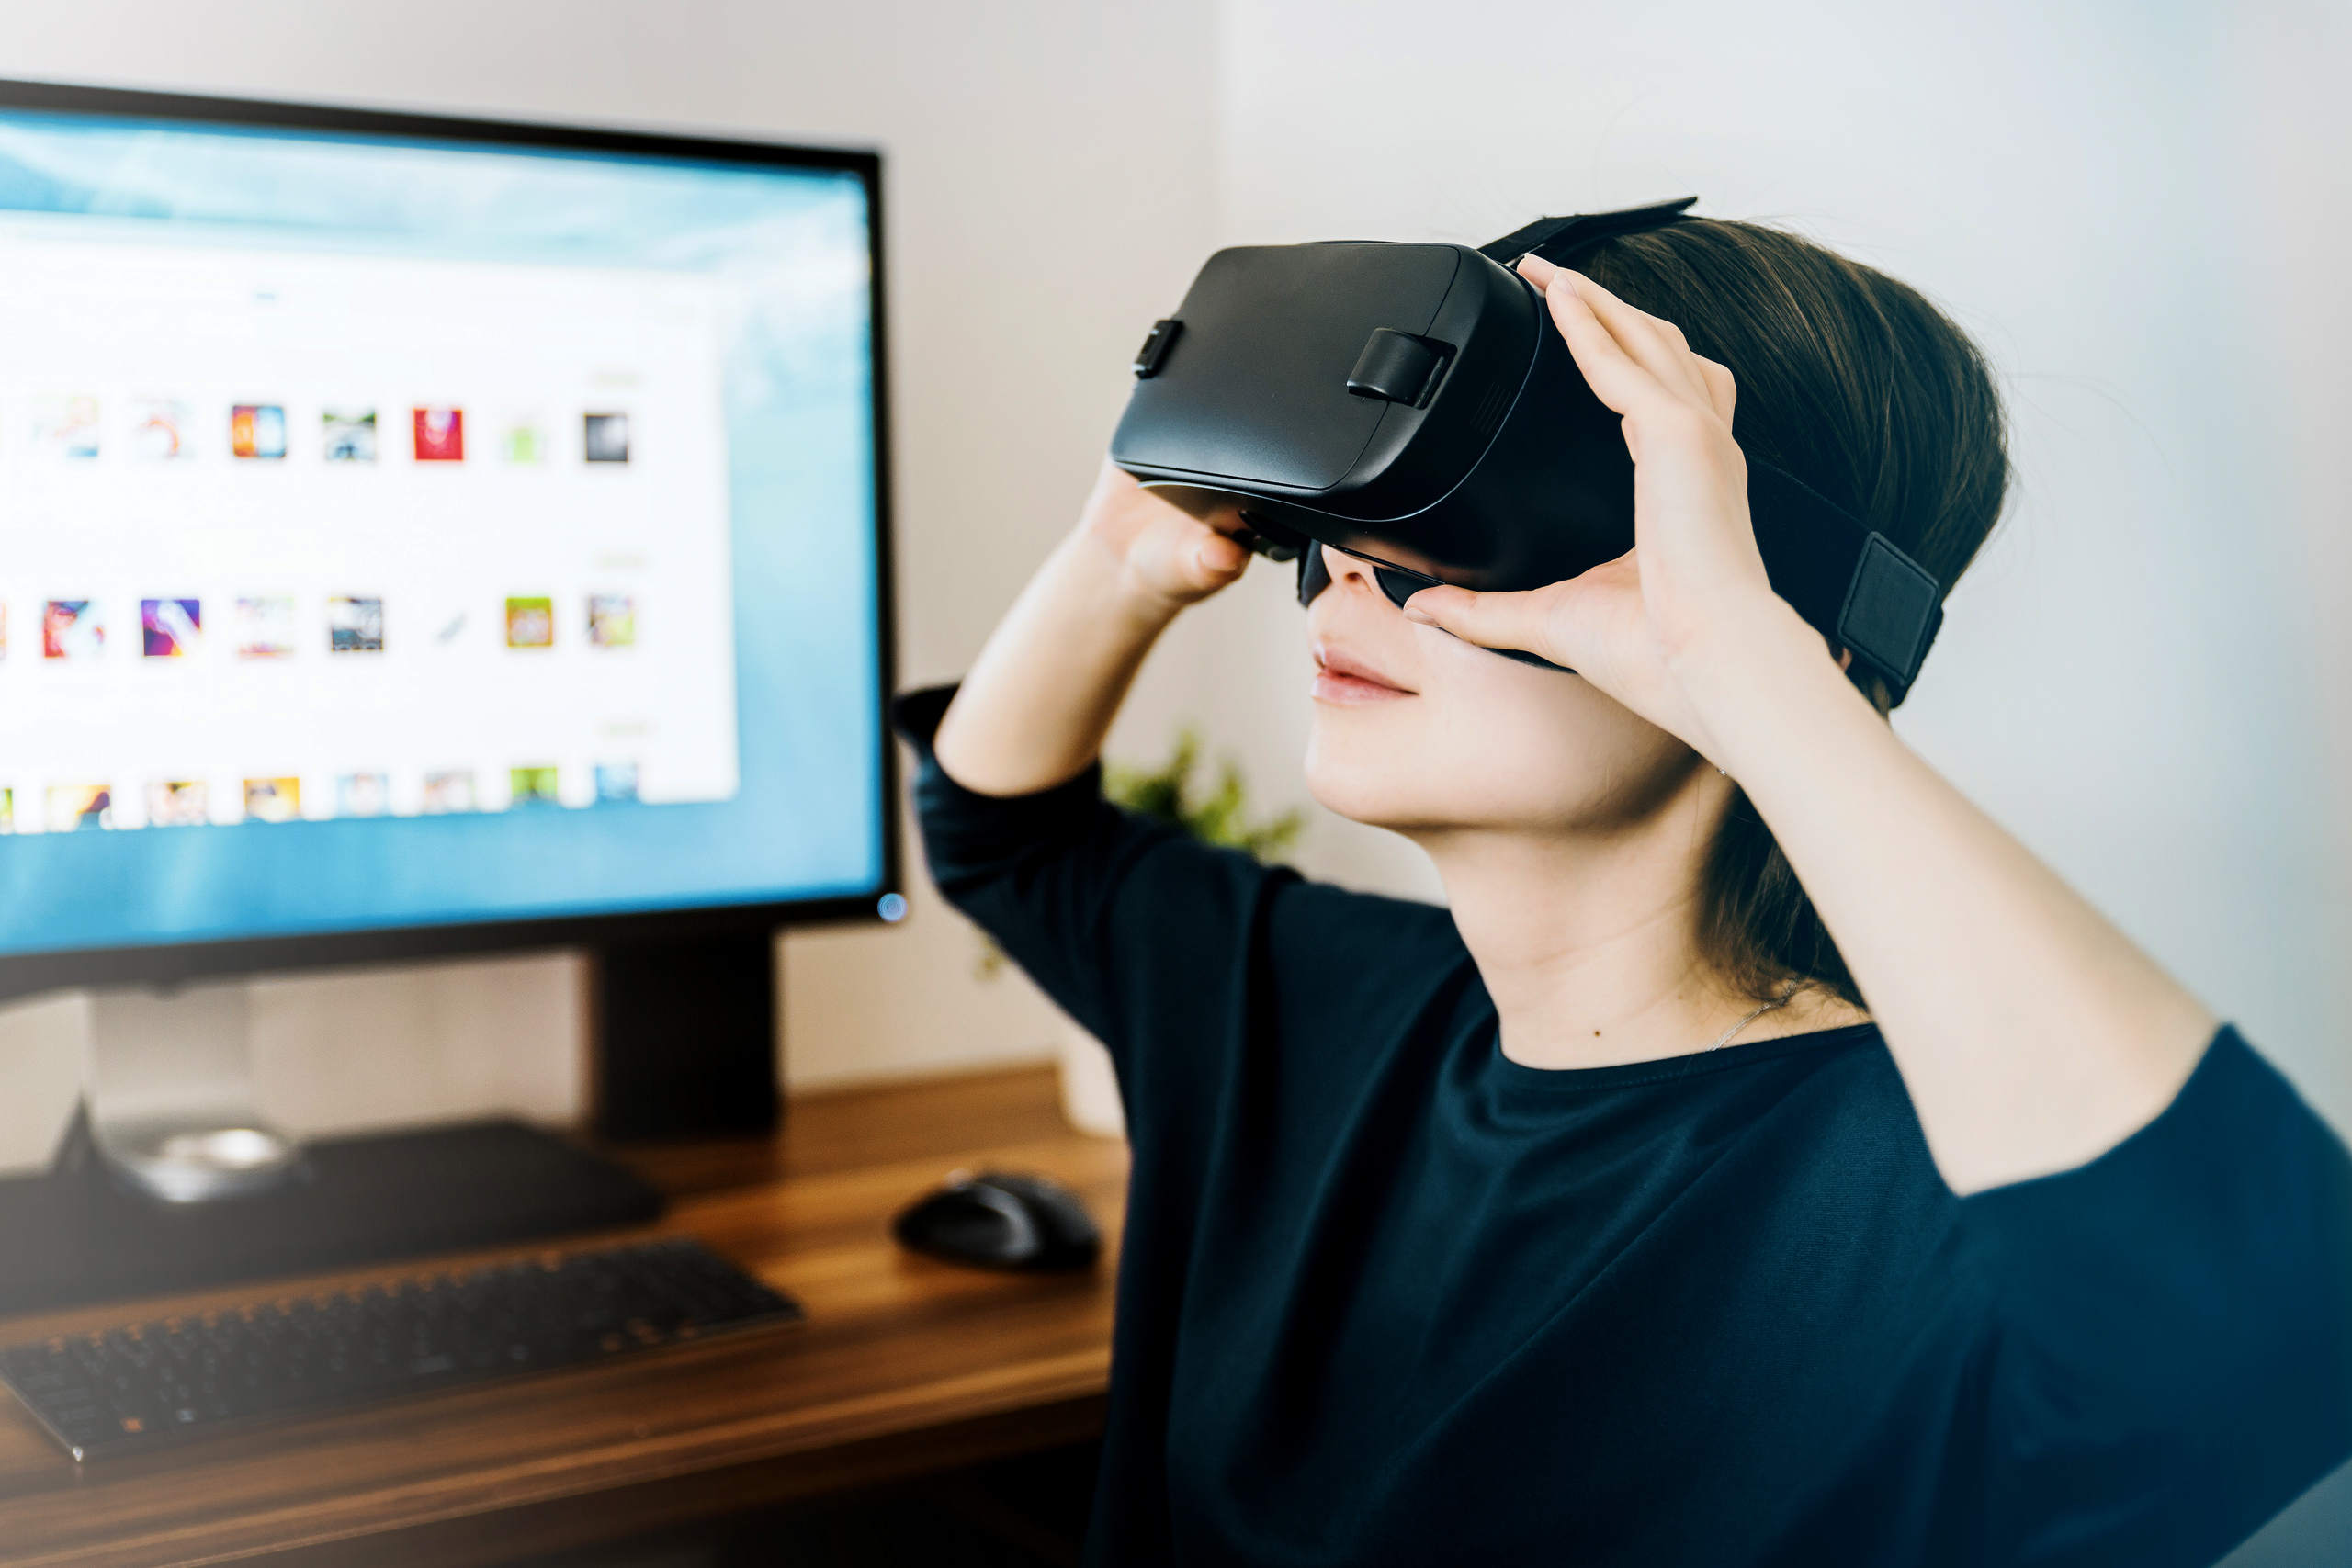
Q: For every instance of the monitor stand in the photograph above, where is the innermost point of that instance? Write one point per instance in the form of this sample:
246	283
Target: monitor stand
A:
125	1209
169	1096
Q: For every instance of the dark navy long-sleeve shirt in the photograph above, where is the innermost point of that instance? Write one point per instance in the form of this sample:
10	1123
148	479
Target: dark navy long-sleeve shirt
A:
1388	1297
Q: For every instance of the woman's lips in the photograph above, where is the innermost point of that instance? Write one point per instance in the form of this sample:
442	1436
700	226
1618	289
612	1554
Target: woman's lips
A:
1350	682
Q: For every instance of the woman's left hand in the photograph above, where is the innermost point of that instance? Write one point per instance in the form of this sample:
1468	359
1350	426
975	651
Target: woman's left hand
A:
1693	583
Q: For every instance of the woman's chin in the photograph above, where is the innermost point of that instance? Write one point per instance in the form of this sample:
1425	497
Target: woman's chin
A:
1347	782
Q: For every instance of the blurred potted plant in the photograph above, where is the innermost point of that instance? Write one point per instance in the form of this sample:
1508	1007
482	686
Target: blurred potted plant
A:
1220	816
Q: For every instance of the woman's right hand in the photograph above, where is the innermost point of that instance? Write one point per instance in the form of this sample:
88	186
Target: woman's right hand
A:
1035	707
1166	555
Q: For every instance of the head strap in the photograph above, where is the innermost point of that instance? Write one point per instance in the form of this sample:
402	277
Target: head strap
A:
1556	239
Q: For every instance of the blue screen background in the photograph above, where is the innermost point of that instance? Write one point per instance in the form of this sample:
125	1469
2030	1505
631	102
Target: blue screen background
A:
792	247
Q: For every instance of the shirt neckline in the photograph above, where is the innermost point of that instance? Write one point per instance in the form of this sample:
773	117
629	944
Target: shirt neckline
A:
1520	1077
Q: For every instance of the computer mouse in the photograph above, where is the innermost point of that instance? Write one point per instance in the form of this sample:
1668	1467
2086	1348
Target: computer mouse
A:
993	1219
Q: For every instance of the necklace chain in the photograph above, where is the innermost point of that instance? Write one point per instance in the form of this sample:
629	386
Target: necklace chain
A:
1779	1001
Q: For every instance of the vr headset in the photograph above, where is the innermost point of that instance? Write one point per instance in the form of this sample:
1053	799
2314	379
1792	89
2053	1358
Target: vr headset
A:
1413	406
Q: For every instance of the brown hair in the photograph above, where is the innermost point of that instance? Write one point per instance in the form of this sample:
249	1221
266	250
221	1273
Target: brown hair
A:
1859	386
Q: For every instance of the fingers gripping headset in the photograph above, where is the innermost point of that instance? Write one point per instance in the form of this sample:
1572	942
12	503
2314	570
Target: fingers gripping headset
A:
1411	405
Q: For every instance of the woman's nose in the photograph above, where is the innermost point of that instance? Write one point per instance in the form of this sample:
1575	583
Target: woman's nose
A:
1341	566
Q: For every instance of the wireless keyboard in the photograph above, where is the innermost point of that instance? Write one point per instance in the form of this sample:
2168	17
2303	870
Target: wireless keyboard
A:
125	1389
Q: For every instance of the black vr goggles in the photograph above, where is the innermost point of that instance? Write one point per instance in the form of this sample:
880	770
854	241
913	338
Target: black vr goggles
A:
1413	406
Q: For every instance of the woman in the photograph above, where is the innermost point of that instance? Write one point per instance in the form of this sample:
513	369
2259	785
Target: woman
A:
1764	1160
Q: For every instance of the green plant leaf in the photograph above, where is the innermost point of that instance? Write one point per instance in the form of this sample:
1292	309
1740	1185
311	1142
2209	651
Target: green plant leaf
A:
1221	816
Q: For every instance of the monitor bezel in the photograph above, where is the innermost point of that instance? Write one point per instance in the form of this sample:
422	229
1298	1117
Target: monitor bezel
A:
169	964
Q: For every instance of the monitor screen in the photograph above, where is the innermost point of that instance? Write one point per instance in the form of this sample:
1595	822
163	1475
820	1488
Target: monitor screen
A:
414	530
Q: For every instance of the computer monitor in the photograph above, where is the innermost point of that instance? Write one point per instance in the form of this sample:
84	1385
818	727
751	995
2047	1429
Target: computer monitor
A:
422	536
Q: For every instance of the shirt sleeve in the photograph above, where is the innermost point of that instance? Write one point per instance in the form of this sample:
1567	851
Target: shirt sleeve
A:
1136	929
2171	1359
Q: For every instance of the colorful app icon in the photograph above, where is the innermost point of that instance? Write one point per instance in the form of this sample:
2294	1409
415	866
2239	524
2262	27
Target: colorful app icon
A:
451	789
351	436
616	783
530	623
168	627
532	786
178	802
73	628
612	621
604	438
273	800
65	424
363	794
79	808
355	626
265	625
258	429
159	430
440	435
7	810
523	440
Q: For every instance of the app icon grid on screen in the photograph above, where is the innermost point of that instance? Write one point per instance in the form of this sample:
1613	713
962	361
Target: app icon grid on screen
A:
211	449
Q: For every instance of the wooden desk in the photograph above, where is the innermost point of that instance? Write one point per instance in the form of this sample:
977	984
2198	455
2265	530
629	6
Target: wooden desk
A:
905	1365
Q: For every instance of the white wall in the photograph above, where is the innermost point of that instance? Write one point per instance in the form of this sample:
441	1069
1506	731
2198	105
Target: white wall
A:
2143	212
1048	183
